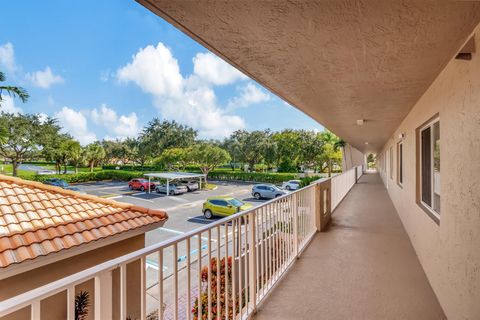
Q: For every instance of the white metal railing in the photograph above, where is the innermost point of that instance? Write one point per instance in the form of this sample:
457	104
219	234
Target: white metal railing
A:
359	171
229	265
341	184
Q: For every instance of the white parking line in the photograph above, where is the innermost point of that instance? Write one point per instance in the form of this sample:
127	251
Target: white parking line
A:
181	232
129	196
103	188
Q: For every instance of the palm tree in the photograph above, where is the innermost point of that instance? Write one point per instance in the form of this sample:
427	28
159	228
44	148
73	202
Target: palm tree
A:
16	92
94	153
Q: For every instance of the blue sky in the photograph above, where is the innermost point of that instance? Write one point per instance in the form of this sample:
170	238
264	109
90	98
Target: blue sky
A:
105	68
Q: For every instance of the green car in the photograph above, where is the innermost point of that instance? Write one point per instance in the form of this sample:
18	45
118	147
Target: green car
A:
223	206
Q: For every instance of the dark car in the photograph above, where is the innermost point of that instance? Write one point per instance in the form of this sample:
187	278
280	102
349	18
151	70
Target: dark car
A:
57	182
140	184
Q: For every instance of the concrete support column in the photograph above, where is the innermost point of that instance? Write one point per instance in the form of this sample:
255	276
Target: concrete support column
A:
325	198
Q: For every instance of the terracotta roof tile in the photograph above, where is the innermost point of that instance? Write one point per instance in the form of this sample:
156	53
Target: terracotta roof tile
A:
37	219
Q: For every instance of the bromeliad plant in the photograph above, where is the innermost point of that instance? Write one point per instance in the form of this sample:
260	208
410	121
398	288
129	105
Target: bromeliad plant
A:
82	303
225	295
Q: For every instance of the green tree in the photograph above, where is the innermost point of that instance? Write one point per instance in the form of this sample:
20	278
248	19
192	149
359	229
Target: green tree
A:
16	92
25	134
73	154
251	145
331	152
175	158
232	146
160	135
208	156
288	149
94	153
311	146
55	149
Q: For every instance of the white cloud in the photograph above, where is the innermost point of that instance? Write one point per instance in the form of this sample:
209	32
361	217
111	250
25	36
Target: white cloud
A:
7	57
43	117
122	126
198	108
75	123
44	79
214	70
249	94
155	70
8	105
188	100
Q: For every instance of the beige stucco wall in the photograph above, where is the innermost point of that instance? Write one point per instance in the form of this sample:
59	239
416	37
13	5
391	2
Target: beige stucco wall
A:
55	306
449	252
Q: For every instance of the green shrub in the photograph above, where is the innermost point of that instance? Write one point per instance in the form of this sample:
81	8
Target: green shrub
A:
92	176
251	176
308	180
287	165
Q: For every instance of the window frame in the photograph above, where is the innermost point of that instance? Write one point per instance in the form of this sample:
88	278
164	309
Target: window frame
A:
400	166
390	164
429	209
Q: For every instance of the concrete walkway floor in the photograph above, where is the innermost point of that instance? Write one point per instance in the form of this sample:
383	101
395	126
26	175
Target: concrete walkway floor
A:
362	267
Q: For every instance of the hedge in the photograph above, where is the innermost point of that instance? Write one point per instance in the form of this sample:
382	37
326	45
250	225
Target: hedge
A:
123	175
132	168
92	176
251	176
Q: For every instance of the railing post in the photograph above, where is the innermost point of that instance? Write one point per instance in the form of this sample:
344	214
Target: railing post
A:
103	296
35	310
71	303
252	259
295	224
318	207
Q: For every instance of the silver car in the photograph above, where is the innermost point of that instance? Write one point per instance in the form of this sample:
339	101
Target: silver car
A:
291	185
268	191
173	189
190	184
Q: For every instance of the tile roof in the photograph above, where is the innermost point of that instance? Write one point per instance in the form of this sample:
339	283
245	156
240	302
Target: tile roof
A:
38	219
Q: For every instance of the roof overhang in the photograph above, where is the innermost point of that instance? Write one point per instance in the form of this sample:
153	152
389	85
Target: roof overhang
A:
174	175
337	61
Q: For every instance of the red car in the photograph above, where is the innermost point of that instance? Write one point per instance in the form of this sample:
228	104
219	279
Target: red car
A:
140	184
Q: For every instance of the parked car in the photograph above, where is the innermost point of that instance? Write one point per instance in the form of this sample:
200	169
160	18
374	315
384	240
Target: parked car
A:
223	206
268	191
44	172
140	184
291	185
190	184
173	189
57	182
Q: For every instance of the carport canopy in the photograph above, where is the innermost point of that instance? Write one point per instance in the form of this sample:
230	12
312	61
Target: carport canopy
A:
169	176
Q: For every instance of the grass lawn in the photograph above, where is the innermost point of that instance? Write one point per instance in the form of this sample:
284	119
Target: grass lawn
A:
209	186
8	169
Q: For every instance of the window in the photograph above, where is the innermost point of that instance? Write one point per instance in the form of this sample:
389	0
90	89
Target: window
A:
219	203
428	137
400	163
236	202
391	162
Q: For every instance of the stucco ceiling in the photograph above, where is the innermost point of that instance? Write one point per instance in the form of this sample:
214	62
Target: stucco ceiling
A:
337	61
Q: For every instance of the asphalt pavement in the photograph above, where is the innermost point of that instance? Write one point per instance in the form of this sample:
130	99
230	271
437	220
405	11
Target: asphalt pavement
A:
184	211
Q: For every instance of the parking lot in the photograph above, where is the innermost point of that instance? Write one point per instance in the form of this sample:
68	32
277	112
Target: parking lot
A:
184	211
185	214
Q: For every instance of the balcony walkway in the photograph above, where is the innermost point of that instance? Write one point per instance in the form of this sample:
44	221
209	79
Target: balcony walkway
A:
363	267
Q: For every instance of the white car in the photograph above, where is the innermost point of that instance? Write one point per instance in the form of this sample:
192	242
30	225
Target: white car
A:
173	189
291	185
